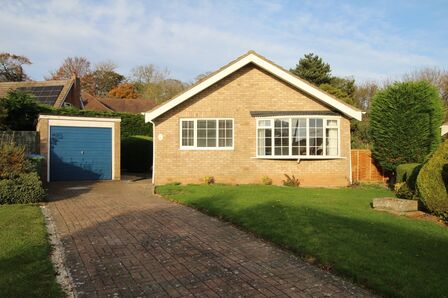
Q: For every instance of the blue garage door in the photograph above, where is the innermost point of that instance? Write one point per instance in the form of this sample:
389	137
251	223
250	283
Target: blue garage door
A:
80	153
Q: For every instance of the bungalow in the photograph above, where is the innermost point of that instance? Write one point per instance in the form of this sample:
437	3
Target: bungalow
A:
251	119
56	93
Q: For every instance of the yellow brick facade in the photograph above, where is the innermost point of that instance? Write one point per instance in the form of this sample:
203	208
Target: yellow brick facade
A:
248	89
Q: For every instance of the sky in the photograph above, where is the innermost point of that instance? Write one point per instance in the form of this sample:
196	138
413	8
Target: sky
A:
368	40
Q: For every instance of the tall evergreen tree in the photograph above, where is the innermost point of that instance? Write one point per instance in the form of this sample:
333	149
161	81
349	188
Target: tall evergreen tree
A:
313	69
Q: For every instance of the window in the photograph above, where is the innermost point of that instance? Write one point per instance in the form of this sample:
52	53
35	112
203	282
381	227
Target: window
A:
206	133
298	137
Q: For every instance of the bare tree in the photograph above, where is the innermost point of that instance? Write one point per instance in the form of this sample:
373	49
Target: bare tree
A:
11	67
364	93
78	66
436	76
147	74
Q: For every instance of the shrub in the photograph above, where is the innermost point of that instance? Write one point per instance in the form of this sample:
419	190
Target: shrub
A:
209	180
13	161
403	191
291	181
266	180
404	123
136	154
21	109
131	124
431	183
25	188
408	173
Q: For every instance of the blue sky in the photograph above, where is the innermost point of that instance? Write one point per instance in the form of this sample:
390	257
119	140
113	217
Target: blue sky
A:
364	39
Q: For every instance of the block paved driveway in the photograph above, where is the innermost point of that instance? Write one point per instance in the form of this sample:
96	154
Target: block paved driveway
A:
122	241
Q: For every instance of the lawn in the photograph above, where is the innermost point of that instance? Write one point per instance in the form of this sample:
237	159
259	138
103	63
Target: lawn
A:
25	267
393	255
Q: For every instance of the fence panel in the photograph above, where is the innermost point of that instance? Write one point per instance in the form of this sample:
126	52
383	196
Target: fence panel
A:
364	168
28	139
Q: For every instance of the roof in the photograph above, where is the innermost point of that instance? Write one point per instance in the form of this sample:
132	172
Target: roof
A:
267	65
52	92
108	104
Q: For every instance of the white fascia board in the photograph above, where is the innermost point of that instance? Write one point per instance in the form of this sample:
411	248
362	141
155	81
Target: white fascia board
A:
149	116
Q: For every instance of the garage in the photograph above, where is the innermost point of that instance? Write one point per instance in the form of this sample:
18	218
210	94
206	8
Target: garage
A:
80	148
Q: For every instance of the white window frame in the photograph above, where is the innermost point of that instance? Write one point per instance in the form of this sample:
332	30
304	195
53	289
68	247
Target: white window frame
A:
195	129
307	156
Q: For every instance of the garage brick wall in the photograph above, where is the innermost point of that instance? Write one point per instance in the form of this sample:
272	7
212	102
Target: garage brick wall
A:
248	89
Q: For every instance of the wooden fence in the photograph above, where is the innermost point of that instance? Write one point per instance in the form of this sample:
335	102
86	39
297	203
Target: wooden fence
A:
27	139
364	168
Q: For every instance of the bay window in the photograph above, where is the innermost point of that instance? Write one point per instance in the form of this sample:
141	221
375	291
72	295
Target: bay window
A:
206	133
298	137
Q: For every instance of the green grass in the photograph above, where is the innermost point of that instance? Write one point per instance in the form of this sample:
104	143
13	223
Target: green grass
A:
393	255
25	267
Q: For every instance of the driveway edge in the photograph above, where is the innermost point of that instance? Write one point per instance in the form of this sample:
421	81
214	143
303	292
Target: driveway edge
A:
57	255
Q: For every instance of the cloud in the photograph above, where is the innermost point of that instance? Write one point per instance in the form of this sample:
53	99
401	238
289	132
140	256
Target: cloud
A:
194	37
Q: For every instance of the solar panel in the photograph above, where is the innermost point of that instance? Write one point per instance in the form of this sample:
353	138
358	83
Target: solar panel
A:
45	94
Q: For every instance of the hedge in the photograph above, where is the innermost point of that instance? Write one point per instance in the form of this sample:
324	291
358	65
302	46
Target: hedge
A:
408	173
25	188
131	124
405	121
431	182
136	154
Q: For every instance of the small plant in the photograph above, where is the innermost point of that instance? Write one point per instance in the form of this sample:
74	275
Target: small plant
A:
176	183
291	181
209	180
266	180
403	191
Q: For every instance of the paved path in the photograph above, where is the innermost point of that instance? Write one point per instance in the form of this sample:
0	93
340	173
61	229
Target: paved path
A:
122	241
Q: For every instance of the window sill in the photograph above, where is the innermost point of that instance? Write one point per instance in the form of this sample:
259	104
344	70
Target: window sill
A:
207	149
299	158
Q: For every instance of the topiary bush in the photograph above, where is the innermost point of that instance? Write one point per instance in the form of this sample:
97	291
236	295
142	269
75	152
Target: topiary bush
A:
404	123
408	173
131	124
431	182
136	154
22	189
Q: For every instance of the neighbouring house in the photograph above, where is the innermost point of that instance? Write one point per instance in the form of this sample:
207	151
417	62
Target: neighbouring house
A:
250	119
110	104
444	129
56	93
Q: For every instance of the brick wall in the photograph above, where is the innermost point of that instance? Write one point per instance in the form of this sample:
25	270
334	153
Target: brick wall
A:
249	89
364	168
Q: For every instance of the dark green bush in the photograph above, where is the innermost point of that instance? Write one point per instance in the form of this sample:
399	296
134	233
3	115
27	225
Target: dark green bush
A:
431	182
25	188
404	123
403	191
408	173
131	124
136	154
21	111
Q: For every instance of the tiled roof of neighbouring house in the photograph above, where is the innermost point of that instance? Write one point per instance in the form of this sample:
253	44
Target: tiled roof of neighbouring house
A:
108	104
52	92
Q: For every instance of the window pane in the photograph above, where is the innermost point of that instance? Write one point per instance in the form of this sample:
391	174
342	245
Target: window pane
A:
225	133
264	123
281	137
332	142
298	141
187	135
332	122
316	134
264	139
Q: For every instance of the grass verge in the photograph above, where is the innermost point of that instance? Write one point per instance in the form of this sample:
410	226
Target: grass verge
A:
25	266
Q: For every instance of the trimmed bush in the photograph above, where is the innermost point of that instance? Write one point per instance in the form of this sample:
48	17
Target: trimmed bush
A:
404	123
131	124
136	154
25	188
408	173
431	182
